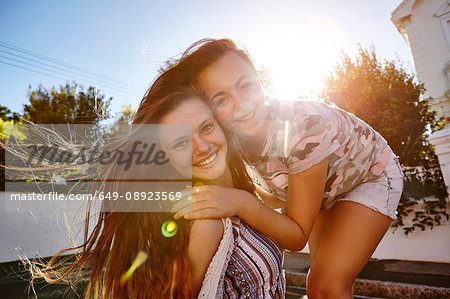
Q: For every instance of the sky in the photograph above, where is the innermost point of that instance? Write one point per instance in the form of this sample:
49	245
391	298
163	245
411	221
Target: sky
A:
118	46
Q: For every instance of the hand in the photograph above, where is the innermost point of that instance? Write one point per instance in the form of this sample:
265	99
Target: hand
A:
184	204
211	202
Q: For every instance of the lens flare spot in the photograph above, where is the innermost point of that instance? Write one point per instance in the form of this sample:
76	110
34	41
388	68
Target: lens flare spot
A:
169	228
140	258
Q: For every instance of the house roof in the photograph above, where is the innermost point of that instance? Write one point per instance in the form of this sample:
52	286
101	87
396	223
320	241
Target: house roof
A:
402	11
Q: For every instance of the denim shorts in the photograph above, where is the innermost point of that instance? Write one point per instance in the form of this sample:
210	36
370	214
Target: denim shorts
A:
383	193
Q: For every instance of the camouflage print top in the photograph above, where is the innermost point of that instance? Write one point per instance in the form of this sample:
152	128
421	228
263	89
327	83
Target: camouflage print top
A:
303	133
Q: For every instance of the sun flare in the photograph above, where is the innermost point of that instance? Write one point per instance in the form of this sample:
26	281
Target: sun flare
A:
300	60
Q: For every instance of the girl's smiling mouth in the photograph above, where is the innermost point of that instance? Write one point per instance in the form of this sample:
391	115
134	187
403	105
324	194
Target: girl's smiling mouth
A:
207	161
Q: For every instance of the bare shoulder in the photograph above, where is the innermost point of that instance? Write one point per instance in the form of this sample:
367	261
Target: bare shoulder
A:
204	240
206	233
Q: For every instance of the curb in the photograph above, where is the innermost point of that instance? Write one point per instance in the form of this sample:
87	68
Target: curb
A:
383	289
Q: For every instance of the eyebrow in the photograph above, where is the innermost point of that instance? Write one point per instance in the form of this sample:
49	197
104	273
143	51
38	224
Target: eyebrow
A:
237	83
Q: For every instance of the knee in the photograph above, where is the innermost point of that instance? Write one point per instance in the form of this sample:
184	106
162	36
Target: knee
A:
321	284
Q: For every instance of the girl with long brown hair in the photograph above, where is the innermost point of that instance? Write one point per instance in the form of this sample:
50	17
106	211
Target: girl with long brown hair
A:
338	179
207	258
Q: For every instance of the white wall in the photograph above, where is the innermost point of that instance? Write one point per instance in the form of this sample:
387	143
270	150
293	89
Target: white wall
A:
429	245
425	25
429	46
44	232
35	228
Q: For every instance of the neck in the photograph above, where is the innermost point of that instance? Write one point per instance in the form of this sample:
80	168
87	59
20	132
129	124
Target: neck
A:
253	145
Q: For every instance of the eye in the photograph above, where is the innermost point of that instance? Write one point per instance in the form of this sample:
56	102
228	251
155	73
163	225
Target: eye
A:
247	85
207	128
180	145
220	101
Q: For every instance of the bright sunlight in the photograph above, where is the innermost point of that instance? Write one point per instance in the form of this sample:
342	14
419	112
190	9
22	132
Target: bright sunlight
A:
300	60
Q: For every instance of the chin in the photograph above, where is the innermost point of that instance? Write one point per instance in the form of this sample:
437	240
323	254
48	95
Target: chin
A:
210	174
248	132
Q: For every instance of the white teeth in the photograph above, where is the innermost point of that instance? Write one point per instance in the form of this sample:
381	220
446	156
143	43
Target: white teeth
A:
248	116
207	161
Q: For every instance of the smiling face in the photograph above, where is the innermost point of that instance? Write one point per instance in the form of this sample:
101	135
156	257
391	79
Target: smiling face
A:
208	142
236	94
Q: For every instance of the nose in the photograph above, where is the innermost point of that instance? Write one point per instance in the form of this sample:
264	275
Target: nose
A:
239	99
200	146
242	105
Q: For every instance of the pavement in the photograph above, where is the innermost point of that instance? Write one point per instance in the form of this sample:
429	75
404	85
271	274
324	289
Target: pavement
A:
379	278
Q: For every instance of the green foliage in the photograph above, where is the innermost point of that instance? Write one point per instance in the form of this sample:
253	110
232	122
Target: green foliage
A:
9	128
388	98
267	80
126	115
69	104
4	112
422	186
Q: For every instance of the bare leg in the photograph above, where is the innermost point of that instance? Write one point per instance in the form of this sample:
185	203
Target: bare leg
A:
342	244
314	238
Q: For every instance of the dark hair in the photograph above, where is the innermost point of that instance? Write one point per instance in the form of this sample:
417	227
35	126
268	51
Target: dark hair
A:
183	75
205	52
117	237
158	102
192	63
152	110
186	70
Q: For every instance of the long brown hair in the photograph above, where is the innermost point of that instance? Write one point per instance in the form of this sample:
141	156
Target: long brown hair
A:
108	251
205	52
185	72
116	239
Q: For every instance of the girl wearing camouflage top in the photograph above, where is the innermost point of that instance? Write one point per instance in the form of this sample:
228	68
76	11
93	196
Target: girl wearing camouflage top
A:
337	178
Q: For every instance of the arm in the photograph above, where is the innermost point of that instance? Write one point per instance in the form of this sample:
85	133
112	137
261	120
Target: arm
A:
304	199
269	199
290	231
204	240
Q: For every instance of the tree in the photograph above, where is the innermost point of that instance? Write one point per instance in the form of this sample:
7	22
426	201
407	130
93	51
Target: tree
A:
265	74
4	112
69	104
6	118
125	116
388	98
